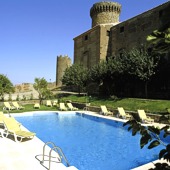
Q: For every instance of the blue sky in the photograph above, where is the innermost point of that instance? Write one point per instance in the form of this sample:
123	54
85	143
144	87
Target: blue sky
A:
34	32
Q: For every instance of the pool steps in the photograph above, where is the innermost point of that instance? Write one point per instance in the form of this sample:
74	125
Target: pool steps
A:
46	160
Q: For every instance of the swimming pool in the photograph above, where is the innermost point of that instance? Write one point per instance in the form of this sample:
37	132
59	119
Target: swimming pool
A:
90	143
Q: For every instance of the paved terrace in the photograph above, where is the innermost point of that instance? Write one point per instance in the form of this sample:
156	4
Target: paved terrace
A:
21	156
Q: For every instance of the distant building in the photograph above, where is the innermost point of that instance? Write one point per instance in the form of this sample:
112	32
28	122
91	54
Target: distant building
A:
24	87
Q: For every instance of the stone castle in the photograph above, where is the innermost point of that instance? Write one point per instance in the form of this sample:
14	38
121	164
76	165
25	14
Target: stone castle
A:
108	36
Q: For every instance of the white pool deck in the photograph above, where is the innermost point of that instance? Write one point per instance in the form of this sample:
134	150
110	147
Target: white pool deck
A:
21	156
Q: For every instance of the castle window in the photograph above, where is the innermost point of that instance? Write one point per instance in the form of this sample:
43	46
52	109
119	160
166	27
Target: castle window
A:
108	33
86	37
121	29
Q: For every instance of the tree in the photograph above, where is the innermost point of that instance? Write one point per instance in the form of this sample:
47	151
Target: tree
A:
41	86
77	76
160	41
140	63
98	72
151	136
107	74
5	86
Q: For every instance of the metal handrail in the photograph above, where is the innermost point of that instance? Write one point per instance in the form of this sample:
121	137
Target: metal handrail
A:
46	144
56	149
60	153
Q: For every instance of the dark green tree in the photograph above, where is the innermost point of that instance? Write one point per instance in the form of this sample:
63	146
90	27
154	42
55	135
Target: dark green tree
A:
6	87
41	86
98	72
160	41
160	38
105	74
77	76
140	63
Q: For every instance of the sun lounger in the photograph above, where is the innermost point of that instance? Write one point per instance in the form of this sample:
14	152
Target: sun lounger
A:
17	106
48	103
7	106
36	106
104	111
123	114
62	106
71	107
2	117
144	118
55	102
13	128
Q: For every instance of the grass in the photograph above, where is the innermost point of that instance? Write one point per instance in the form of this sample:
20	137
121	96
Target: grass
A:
130	104
29	107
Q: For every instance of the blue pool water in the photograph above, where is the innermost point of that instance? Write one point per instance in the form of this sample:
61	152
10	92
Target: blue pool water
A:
90	143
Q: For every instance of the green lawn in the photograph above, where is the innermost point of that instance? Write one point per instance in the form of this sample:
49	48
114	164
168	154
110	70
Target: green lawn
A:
29	107
130	104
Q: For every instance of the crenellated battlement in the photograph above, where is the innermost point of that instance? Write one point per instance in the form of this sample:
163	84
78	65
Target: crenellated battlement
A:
105	7
62	57
105	13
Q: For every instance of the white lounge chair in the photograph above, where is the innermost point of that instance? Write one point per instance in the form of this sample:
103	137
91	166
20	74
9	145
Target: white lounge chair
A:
7	106
13	128
2	117
55	102
36	106
17	106
48	103
144	118
62	106
71	107
123	114
104	111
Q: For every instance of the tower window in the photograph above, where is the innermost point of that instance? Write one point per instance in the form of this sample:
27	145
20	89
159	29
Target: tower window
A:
108	33
86	37
121	29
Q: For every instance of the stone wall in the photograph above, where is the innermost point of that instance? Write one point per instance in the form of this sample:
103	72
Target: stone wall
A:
92	46
133	32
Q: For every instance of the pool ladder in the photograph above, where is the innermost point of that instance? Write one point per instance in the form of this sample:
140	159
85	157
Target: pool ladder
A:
59	159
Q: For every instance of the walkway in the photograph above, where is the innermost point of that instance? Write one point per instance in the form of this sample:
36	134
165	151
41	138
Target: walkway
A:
21	156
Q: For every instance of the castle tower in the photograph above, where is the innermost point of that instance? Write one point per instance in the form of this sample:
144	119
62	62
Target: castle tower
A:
62	63
105	13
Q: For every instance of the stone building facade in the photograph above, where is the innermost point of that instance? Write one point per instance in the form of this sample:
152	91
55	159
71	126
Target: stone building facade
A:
108	36
92	46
